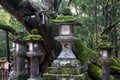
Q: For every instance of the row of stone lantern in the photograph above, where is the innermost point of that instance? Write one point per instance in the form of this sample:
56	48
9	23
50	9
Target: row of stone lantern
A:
19	53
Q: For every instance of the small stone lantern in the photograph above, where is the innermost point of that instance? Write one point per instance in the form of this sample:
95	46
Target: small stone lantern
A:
34	53
20	50
105	53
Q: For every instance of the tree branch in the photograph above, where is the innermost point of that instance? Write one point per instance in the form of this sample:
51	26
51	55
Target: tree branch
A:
109	28
7	28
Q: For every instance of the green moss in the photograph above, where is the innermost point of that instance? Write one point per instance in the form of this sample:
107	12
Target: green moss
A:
46	74
104	44
83	53
64	19
34	36
8	28
115	62
65	75
112	78
81	75
115	70
115	66
96	72
49	76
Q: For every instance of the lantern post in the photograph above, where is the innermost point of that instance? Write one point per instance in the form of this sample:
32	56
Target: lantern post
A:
20	50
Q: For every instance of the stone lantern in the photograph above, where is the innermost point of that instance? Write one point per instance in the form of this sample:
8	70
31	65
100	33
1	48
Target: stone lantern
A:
34	53
105	54
20	50
65	67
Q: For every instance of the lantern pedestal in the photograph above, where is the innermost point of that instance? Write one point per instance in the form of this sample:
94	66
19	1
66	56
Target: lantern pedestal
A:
66	66
34	65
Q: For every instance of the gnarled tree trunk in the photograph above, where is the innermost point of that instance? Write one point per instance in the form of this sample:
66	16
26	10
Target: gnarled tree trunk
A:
29	13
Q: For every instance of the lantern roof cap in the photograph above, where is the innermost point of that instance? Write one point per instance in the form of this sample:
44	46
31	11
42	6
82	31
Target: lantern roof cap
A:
65	20
18	38
3	60
34	36
104	43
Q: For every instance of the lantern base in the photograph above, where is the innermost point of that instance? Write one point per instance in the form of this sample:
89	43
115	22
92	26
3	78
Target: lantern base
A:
66	69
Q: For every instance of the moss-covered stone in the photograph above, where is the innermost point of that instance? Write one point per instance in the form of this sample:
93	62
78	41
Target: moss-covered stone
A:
115	66
83	53
49	77
96	72
34	36
115	70
65	70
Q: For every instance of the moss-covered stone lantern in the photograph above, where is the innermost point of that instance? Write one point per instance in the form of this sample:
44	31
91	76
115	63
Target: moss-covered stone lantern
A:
105	53
34	53
65	67
105	47
20	52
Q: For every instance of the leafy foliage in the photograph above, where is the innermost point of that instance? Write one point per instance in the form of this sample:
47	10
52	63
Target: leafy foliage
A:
7	20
